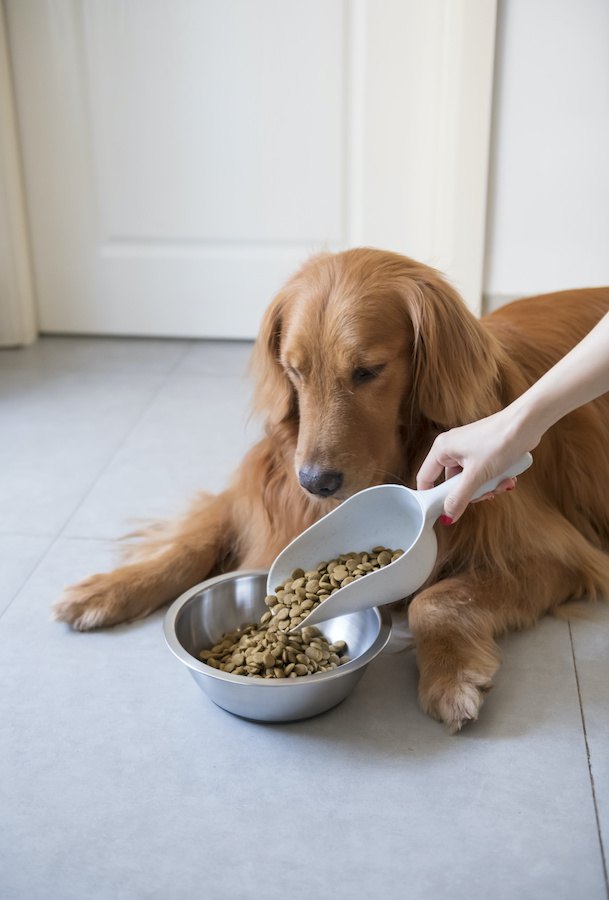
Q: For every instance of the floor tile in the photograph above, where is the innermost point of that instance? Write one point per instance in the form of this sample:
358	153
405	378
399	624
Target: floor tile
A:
216	358
191	438
58	430
591	648
101	354
19	554
123	781
120	780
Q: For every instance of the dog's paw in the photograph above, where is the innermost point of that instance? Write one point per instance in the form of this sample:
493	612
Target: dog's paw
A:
92	603
455	700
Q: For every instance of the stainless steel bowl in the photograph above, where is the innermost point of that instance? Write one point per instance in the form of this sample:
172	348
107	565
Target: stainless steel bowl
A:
198	618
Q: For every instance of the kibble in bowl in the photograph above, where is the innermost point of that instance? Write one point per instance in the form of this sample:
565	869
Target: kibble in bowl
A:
200	617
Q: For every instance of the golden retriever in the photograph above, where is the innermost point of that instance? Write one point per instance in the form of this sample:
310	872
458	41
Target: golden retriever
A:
362	359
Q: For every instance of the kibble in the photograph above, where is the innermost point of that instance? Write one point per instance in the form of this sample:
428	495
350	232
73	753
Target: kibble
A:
265	650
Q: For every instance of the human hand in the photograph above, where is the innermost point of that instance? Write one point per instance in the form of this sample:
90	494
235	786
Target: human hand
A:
480	451
485	449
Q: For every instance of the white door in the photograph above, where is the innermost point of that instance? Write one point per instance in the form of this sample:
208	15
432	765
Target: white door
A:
182	157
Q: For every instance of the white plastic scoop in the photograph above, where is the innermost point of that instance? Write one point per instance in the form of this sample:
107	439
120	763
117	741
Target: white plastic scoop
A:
389	515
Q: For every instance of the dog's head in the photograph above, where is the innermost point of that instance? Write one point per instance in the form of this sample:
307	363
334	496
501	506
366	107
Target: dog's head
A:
362	357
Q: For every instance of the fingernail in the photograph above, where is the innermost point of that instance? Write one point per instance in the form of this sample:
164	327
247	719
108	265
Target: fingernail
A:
510	488
446	520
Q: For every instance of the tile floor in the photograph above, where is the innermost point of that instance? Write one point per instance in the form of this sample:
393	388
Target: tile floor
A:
119	780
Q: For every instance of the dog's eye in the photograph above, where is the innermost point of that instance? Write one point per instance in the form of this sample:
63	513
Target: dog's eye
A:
366	373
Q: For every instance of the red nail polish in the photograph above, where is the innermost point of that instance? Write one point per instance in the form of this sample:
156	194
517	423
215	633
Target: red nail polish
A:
446	520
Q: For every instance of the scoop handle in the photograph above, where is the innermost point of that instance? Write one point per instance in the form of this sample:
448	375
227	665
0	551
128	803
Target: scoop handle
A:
432	501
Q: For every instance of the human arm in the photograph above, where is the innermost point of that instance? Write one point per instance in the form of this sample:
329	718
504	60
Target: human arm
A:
483	449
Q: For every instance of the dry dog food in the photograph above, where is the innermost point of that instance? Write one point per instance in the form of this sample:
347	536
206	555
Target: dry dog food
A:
255	651
266	650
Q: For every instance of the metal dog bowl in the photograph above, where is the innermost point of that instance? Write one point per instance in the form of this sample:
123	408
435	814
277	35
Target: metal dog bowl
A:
197	620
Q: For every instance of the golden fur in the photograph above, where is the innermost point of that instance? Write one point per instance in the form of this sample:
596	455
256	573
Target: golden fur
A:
503	565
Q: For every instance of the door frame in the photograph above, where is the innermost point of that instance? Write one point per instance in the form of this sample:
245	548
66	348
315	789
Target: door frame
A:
18	324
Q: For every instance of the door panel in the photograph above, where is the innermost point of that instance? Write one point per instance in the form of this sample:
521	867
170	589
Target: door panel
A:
183	158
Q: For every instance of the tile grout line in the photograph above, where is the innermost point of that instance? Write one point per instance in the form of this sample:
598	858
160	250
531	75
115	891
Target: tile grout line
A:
112	456
53	541
588	757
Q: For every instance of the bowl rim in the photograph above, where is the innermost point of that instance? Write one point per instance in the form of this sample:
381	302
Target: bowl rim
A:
169	630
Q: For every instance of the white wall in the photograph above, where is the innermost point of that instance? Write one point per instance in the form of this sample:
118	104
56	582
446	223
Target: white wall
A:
548	223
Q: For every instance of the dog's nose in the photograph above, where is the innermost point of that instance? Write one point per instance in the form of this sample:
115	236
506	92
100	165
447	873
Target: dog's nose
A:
320	481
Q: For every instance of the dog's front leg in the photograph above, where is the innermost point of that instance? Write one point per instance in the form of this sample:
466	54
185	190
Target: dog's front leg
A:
186	556
456	651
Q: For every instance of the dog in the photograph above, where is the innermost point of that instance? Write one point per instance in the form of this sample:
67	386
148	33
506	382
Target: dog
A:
362	359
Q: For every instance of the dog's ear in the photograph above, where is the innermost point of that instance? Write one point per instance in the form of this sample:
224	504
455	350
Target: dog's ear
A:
457	362
274	396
